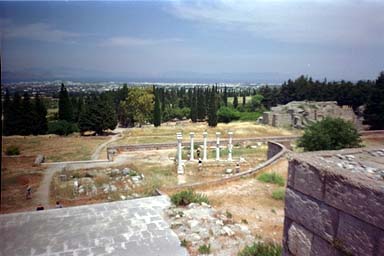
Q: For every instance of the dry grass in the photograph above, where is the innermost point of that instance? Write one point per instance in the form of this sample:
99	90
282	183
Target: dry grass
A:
250	200
167	132
55	148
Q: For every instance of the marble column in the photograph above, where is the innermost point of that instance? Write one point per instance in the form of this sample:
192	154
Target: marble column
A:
192	135
180	168
230	134
205	134
217	146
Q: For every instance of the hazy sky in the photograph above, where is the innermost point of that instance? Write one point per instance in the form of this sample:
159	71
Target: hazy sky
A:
337	39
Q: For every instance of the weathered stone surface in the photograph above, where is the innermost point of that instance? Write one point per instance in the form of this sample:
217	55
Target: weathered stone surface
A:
380	246
355	236
299	240
308	180
291	173
315	216
360	200
134	227
321	247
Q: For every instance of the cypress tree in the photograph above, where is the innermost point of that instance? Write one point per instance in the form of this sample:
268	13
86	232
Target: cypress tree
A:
235	101
244	100
225	96
27	117
15	119
212	114
40	110
157	110
7	113
194	106
201	111
65	106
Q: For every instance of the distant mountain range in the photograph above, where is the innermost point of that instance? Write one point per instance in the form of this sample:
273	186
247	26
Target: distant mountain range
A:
85	75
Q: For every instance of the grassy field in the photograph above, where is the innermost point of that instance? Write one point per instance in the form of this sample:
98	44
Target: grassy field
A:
55	148
167	132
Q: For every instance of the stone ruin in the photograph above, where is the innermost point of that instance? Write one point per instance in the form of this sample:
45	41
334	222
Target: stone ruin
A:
299	114
334	203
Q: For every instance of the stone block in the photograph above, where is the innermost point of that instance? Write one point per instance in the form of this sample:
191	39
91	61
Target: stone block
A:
380	246
308	179
299	240
321	247
291	173
354	236
357	199
313	215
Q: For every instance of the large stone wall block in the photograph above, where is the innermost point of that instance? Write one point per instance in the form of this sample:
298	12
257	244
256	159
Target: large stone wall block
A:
363	201
299	240
315	216
355	237
321	247
308	179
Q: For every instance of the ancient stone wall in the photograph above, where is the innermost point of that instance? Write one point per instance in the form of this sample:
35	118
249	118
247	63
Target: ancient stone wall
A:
331	210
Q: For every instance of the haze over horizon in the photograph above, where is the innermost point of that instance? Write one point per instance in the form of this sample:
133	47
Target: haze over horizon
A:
196	41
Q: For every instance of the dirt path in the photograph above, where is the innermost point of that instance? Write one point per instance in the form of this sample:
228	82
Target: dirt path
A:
98	150
42	194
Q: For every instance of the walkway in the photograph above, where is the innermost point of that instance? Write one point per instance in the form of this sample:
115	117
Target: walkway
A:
133	227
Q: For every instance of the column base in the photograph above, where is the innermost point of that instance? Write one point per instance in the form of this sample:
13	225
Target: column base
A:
180	169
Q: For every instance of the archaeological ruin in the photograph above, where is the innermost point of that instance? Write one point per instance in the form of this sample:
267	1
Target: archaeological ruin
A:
334	203
299	114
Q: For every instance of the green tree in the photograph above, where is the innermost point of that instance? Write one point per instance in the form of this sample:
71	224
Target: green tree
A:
40	116
98	115
330	134
194	105
227	114
201	109
28	115
15	117
374	112
7	113
235	101
212	111
65	106
225	96
138	106
157	110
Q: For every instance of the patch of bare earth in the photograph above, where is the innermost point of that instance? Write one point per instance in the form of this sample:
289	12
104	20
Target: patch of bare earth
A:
250	201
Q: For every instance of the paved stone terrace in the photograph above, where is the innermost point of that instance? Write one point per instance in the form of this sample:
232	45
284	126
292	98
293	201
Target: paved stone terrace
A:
134	227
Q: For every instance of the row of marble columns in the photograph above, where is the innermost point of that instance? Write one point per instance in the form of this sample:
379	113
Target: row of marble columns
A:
179	136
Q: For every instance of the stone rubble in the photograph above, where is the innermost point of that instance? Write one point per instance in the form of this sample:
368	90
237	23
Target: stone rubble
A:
200	224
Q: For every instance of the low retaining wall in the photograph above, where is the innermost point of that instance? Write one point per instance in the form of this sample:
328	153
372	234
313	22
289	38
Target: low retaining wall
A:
332	210
278	154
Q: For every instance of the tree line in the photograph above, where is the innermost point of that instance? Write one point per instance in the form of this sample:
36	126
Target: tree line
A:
136	106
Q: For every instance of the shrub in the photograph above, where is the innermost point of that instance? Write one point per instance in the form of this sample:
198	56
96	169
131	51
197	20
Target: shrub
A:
250	116
227	114
272	178
62	127
278	194
262	249
12	151
330	134
205	249
186	197
228	214
184	243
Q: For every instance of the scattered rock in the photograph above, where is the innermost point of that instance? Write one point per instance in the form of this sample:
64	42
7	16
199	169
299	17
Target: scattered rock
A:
39	160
